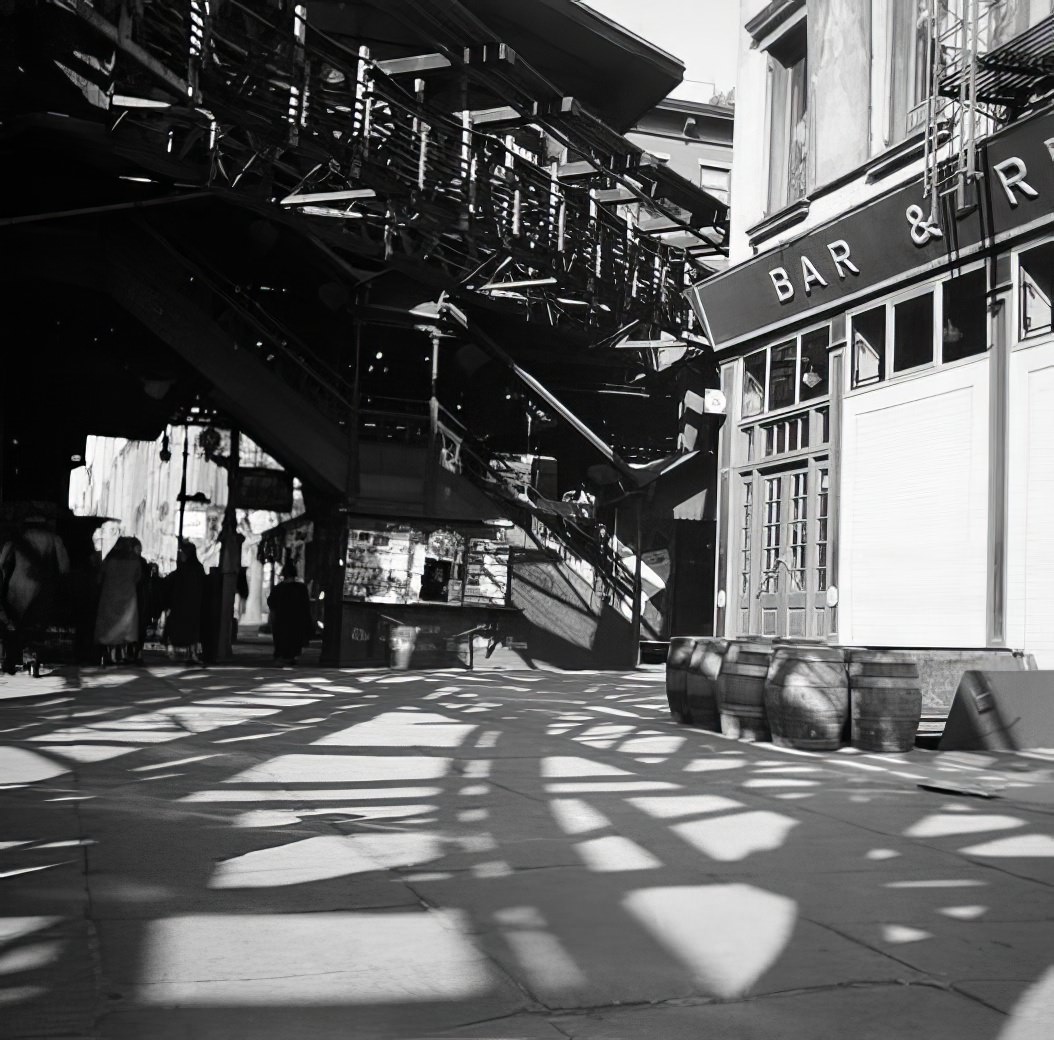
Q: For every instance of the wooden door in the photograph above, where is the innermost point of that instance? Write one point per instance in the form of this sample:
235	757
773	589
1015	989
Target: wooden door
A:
784	560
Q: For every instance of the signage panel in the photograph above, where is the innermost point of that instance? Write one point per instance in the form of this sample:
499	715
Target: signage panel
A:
260	488
885	240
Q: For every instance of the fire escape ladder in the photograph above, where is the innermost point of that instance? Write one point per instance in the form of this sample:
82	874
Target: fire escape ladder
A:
986	71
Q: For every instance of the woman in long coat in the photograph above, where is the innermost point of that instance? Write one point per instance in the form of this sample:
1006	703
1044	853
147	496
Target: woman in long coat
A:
117	622
185	590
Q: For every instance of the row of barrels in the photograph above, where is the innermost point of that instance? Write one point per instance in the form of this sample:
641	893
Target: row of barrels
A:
812	697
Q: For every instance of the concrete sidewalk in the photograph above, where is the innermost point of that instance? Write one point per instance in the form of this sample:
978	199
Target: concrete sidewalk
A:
280	854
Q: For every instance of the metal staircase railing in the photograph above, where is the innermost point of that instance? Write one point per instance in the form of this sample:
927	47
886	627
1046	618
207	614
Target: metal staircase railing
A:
272	107
462	453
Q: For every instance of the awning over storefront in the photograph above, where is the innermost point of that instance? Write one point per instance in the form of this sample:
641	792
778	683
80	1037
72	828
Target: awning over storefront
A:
881	243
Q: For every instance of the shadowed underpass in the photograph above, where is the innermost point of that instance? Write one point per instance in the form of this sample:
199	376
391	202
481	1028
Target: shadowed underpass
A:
277	853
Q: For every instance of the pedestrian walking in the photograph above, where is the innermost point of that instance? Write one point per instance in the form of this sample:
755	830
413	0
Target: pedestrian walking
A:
117	621
151	602
292	625
185	592
33	566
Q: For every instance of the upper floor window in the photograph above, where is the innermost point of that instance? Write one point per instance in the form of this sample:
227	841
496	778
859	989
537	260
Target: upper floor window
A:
715	179
788	118
1010	18
914	29
938	324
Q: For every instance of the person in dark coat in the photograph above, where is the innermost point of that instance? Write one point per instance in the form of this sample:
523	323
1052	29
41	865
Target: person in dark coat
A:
85	584
151	602
117	620
33	567
185	592
291	623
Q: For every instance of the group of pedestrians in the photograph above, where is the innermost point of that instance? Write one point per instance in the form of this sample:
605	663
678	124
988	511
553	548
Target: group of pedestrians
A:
133	597
111	602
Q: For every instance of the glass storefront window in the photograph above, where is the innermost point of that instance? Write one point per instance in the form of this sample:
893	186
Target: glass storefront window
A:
913	332
754	372
783	375
869	346
964	324
813	382
1036	290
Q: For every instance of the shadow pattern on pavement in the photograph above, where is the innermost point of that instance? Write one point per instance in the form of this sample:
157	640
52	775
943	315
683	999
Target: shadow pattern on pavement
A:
273	853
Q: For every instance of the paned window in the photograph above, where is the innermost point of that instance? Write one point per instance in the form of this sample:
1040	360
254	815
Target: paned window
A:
788	69
799	530
771	533
942	324
911	52
744	552
787	373
821	531
787	435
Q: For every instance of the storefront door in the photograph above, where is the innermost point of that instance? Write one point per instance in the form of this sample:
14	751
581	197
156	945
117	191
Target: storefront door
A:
783	578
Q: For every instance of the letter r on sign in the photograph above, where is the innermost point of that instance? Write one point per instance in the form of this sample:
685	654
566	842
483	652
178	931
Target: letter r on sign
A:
840	255
784	289
1010	180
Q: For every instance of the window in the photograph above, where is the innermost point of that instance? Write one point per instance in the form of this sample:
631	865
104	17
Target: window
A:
821	531
799	528
913	332
813	382
964	324
1036	289
771	534
716	180
788	72
902	335
783	375
1010	18
755	381
911	52
787	373
744	537
787	435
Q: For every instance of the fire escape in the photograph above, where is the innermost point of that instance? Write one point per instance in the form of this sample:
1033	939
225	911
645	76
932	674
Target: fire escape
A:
463	167
989	67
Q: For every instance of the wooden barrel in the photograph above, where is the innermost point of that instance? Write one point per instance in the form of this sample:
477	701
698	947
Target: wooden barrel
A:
807	697
678	657
701	689
741	689
885	700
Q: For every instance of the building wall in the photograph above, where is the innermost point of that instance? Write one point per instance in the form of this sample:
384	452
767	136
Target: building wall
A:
850	52
928	485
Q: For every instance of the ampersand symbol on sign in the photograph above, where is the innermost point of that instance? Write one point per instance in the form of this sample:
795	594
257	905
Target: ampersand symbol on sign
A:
922	229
